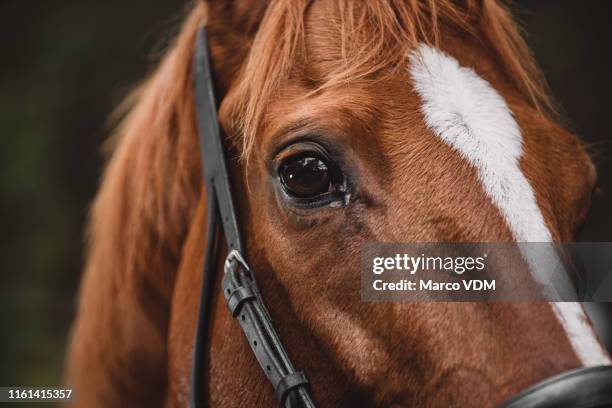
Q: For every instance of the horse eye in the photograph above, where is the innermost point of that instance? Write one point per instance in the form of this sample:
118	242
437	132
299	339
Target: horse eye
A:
306	176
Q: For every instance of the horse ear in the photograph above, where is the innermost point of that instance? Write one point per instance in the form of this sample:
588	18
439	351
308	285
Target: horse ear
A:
231	26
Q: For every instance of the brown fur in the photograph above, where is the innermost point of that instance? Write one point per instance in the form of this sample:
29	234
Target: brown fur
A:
291	66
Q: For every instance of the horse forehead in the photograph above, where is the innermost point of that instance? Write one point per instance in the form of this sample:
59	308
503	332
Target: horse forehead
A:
469	115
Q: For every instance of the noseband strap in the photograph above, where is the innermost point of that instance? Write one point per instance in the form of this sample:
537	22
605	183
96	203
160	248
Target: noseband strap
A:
240	288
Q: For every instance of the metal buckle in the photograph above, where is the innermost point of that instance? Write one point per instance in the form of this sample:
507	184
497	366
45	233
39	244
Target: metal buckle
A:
234	255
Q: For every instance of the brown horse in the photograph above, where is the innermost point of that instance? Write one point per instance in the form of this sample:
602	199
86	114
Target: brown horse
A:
428	120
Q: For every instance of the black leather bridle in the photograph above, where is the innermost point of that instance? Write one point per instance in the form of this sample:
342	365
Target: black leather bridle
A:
239	285
586	388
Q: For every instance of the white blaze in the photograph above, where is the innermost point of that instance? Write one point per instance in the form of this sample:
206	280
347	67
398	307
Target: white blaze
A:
465	112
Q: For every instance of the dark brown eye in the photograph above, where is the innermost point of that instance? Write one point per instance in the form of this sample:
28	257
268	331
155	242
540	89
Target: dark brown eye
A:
306	176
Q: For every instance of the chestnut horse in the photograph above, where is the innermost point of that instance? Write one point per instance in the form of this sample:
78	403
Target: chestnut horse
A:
425	120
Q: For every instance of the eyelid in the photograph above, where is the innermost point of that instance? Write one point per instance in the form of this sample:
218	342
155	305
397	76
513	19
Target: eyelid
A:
304	147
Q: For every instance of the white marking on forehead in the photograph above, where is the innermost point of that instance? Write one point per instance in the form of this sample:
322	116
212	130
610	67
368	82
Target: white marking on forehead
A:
465	112
470	116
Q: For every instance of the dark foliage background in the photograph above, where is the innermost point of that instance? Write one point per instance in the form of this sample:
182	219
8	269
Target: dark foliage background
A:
66	65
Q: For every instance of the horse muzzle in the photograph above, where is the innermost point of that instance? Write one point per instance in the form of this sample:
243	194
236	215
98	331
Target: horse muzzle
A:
581	388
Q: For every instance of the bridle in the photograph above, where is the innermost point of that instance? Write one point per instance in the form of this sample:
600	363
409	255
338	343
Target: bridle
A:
589	387
239	285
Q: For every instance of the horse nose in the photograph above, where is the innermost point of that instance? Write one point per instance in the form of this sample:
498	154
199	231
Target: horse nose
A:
584	387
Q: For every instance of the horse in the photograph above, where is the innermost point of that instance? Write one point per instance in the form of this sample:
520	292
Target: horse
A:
347	122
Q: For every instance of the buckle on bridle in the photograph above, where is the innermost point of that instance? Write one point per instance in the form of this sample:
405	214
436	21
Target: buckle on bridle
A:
234	255
238	290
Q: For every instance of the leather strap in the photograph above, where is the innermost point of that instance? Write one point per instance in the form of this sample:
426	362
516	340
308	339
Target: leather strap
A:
288	383
589	387
237	298
239	285
256	323
212	150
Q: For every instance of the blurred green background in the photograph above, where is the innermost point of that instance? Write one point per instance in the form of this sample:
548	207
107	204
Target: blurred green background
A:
66	65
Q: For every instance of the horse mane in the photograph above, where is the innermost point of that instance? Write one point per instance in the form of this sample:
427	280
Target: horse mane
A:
151	184
376	37
138	223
